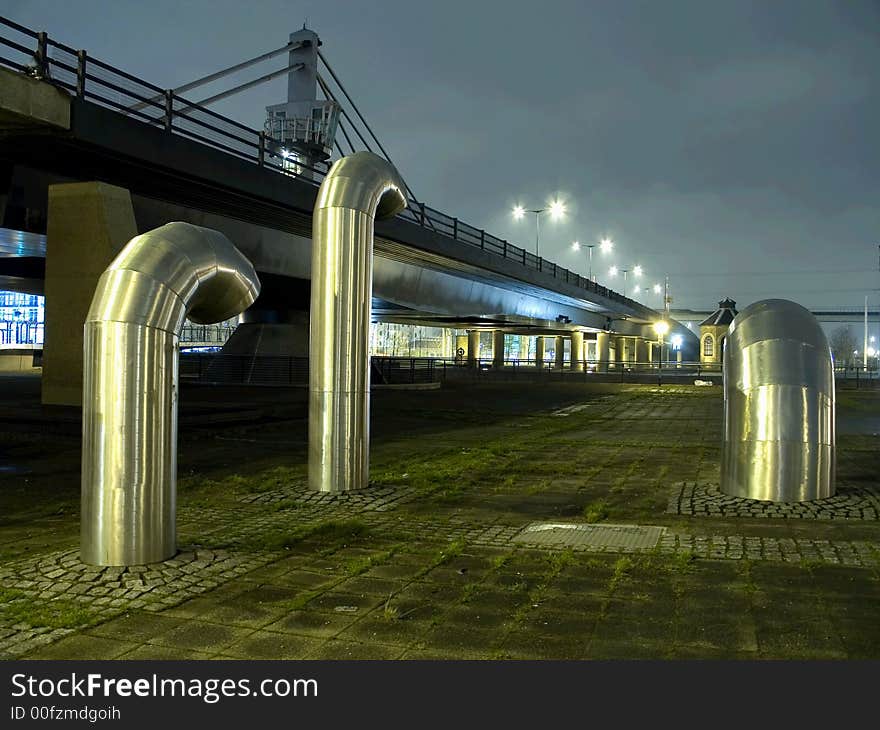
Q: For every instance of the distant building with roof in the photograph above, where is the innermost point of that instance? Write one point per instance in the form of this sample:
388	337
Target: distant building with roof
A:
713	332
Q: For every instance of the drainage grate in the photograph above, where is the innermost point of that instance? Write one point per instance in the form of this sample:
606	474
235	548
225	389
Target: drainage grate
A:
591	536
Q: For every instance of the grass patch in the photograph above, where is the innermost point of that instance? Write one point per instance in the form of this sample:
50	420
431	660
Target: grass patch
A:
596	511
324	535
442	556
620	573
470	590
358	566
683	562
17	607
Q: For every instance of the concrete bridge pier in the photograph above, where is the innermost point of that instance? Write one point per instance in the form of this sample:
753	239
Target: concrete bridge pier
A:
560	353
577	351
473	348
498	349
539	351
88	224
602	351
641	353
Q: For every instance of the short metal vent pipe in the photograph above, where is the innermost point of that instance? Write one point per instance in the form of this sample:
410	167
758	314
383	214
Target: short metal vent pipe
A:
130	385
778	405
358	189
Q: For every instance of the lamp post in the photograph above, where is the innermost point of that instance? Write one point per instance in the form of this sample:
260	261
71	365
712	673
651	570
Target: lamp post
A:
556	210
613	271
661	327
605	245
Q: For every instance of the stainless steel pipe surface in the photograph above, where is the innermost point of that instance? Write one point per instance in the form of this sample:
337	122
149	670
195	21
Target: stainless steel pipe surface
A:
129	464
778	405
358	189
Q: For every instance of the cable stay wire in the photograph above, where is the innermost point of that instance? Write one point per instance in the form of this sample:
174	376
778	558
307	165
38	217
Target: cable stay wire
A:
223	72
363	120
331	97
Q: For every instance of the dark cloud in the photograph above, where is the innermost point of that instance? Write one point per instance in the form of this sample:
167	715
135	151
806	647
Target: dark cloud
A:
703	136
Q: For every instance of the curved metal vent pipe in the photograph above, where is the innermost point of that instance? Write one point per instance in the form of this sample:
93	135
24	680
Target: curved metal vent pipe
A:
357	189
778	405
129	465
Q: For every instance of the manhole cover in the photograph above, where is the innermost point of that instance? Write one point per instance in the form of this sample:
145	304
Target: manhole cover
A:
574	535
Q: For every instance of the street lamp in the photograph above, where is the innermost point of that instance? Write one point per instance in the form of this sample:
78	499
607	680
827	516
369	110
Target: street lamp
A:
614	270
661	327
556	210
605	245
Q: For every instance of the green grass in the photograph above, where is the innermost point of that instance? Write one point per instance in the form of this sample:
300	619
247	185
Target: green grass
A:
620	574
328	534
18	607
596	511
360	565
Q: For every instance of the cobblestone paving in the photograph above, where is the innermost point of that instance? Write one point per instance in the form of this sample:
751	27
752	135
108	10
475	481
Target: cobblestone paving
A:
107	591
706	500
378	499
595	440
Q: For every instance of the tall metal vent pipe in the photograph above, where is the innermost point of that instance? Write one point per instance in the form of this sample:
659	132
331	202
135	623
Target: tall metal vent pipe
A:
129	464
778	405
357	189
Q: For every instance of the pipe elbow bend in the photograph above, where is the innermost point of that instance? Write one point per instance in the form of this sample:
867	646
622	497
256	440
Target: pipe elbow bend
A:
173	272
363	182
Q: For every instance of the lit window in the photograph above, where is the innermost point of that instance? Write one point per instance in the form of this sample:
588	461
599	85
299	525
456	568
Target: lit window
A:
708	346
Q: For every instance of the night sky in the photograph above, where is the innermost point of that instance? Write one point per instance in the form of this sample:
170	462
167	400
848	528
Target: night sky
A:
732	146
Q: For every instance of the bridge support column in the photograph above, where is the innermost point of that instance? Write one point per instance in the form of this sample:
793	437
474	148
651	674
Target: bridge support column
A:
678	358
623	351
602	352
498	349
88	224
577	351
473	349
641	354
560	353
539	352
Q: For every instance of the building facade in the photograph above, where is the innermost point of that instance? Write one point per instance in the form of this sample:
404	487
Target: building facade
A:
713	332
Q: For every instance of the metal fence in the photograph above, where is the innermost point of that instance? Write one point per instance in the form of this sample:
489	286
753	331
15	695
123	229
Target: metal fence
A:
599	370
283	370
857	376
214	334
35	54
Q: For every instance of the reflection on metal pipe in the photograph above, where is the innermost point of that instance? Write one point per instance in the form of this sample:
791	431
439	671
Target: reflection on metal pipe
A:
357	189
778	405
129	467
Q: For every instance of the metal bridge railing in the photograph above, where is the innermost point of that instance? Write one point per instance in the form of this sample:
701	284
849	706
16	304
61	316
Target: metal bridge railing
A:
86	77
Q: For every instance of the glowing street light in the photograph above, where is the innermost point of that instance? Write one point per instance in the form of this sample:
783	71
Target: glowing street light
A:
556	210
614	270
658	289
661	327
605	245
